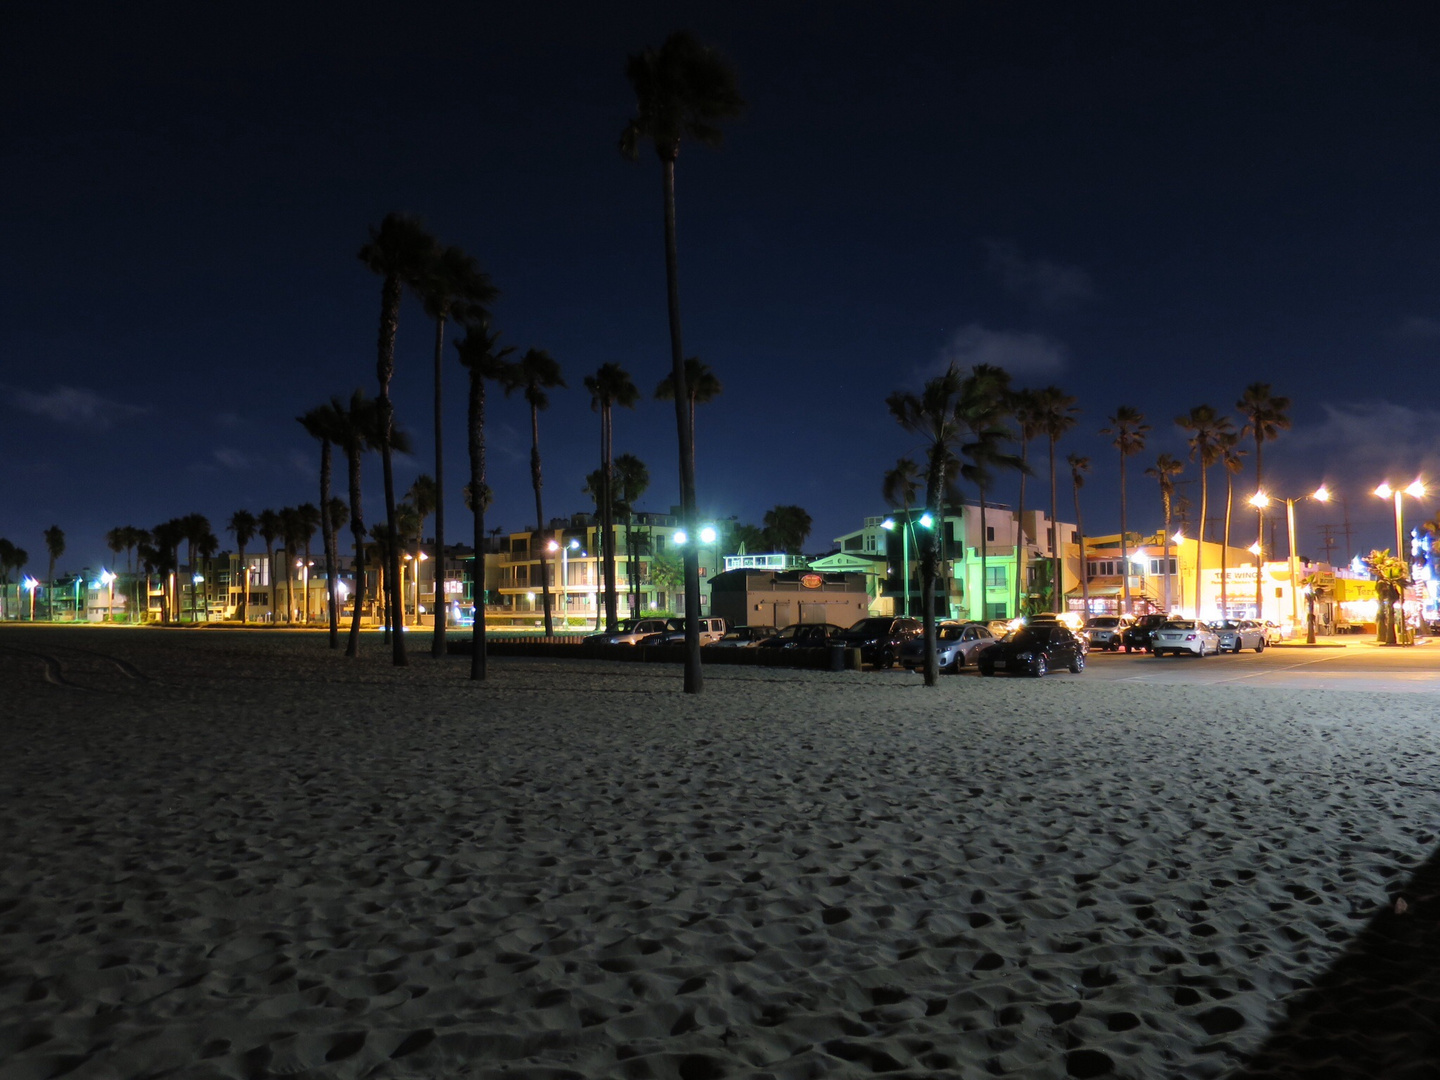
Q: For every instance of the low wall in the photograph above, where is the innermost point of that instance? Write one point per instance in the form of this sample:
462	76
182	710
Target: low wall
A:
822	659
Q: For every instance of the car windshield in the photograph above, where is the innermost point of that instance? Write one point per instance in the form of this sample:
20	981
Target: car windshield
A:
1034	635
626	626
1179	624
1104	622
870	626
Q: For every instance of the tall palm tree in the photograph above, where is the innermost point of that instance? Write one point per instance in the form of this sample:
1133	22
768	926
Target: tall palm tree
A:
1128	427
323	423
682	90
195	529
534	374
1024	406
932	416
1266	415
133	538
7	553
402	253
898	487
630	480
1079	466
243	525
307	519
1208	429
701	385
1057	414
455	285
609	387
1166	468
483	358
167	538
1232	456
987	395
205	547
424	497
271	529
788	526
55	545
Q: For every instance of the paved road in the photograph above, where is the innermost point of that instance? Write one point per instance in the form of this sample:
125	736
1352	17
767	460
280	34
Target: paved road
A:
1351	667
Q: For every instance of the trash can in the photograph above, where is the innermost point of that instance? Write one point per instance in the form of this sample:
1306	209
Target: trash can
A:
837	657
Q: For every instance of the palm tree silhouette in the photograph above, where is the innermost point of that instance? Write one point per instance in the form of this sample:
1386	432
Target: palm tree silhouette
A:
455	285
1266	415
1129	428
701	385
1207	430
787	527
323	423
1232	457
630	480
55	545
271	529
988	398
483	357
402	253
610	386
243	525
534	374
898	487
1057	414
1079	466
1024	407
682	90
1166	468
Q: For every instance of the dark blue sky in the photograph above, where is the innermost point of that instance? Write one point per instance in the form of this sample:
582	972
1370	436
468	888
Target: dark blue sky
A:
1152	204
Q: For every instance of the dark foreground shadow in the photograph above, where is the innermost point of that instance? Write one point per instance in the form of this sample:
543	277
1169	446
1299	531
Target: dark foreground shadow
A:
1375	1013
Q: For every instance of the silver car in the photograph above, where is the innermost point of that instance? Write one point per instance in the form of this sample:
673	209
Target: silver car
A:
630	631
1107	631
1184	635
956	645
1238	634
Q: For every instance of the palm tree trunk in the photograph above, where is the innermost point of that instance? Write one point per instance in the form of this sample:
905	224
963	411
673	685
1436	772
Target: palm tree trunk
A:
694	680
245	588
437	638
385	368
984	552
1057	592
1260	530
1225	547
357	533
476	430
1126	607
1200	536
607	515
540	517
1020	529
1165	554
327	536
289	589
934	498
1084	564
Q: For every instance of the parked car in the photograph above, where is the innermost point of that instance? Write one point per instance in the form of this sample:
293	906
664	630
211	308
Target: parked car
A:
956	645
711	629
744	637
1184	635
1069	619
1137	634
1106	631
1238	634
1274	632
881	638
630	631
805	636
1034	650
1000	627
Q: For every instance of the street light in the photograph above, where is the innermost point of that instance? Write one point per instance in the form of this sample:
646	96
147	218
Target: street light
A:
108	580
195	582
1416	491
1178	538
1260	500
29	584
889	525
552	547
1139	558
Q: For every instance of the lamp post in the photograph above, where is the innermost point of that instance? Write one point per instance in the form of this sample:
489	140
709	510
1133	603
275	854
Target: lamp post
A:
108	580
889	526
1260	500
1179	538
1256	550
196	580
573	545
30	585
1416	491
1139	558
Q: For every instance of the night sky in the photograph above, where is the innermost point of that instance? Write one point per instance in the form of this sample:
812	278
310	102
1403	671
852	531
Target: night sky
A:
1149	204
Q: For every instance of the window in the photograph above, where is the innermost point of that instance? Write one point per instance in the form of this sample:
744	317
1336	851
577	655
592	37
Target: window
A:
1074	536
519	546
989	534
1157	566
995	577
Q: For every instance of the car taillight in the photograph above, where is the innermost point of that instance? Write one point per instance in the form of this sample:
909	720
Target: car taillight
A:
1189	637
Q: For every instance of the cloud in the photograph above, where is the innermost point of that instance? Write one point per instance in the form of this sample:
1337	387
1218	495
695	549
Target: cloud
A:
232	459
1419	328
76	407
1371	440
1048	285
1025	355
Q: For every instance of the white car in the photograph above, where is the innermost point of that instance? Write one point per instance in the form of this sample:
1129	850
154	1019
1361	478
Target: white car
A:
1238	634
630	631
956	644
1184	635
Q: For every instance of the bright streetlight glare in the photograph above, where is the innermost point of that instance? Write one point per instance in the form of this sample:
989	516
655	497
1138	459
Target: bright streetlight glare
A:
1322	493
926	521
1138	558
707	535
1259	499
552	546
1416	490
574	545
680	537
1179	537
888	523
1254	548
1384	491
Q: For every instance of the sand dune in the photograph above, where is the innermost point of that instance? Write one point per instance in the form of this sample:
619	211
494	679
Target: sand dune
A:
245	857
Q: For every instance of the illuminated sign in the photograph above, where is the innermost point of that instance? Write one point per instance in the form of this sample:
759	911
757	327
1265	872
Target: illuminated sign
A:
812	581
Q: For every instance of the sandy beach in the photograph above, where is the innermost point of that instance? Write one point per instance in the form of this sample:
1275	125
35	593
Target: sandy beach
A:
239	855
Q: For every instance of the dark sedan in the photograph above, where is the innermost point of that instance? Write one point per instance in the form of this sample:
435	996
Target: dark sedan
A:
881	639
1138	633
804	636
1034	650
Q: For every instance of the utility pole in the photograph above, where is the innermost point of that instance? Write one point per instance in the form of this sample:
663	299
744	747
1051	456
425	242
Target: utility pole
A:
1328	532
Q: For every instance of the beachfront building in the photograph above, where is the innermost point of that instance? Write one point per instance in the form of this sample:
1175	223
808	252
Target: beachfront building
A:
755	597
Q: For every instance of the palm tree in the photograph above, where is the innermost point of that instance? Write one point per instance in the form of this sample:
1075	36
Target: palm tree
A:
271	529
1166	468
681	90
932	415
1057	414
630	479
534	374
987	396
1266	415
610	386
402	253
1207	430
1232	457
701	385
484	358
787	526
195	529
323	423
243	525
1024	406
55	545
9	553
307	518
455	285
167	538
424	497
1129	428
898	487
1079	466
